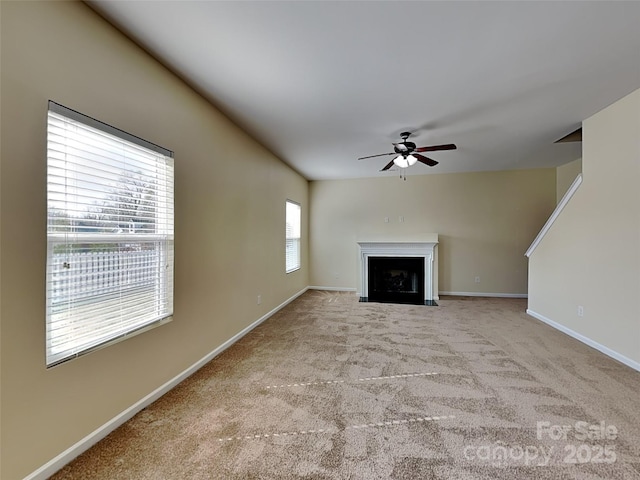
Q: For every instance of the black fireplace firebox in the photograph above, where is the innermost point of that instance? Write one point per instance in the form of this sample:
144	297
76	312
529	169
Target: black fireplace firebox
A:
396	280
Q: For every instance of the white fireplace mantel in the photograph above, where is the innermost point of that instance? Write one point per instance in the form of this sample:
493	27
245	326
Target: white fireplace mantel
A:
398	249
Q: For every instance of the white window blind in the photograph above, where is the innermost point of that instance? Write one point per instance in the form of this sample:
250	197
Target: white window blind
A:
109	234
292	250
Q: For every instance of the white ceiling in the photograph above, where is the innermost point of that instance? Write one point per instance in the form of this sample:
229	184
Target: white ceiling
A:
321	83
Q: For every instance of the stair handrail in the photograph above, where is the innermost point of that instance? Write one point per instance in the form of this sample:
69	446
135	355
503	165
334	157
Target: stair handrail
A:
556	213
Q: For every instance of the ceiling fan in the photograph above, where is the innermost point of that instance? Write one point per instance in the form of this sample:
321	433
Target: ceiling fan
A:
408	154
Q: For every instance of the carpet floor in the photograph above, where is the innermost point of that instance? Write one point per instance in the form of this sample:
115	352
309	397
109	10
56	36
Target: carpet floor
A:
330	388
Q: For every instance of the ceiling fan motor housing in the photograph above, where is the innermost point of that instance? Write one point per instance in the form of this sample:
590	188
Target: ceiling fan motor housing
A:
404	148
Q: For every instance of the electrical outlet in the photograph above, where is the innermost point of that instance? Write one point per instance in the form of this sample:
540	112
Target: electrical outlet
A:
580	311
259	299
401	219
386	219
477	280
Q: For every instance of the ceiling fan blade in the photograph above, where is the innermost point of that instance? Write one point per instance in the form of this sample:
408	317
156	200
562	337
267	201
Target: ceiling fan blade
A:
433	148
387	166
379	155
426	160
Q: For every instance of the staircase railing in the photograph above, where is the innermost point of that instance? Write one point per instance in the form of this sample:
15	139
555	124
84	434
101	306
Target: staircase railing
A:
556	213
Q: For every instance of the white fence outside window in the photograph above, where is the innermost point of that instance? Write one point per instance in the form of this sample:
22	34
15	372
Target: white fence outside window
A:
79	276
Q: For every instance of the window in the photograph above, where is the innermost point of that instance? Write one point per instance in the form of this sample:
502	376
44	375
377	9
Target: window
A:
292	235
109	234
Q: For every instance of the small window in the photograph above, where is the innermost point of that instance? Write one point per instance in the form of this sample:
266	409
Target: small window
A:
109	235
292	235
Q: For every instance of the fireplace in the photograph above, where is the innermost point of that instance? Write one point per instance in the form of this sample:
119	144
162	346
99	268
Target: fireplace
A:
399	272
396	280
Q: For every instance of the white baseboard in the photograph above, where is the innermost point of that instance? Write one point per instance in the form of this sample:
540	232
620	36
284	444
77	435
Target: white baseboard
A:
481	294
586	340
94	437
332	289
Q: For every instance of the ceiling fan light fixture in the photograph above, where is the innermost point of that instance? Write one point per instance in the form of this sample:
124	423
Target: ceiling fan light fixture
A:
405	161
401	162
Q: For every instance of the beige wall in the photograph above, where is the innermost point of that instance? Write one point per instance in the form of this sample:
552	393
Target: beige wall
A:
486	221
230	205
591	254
565	175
